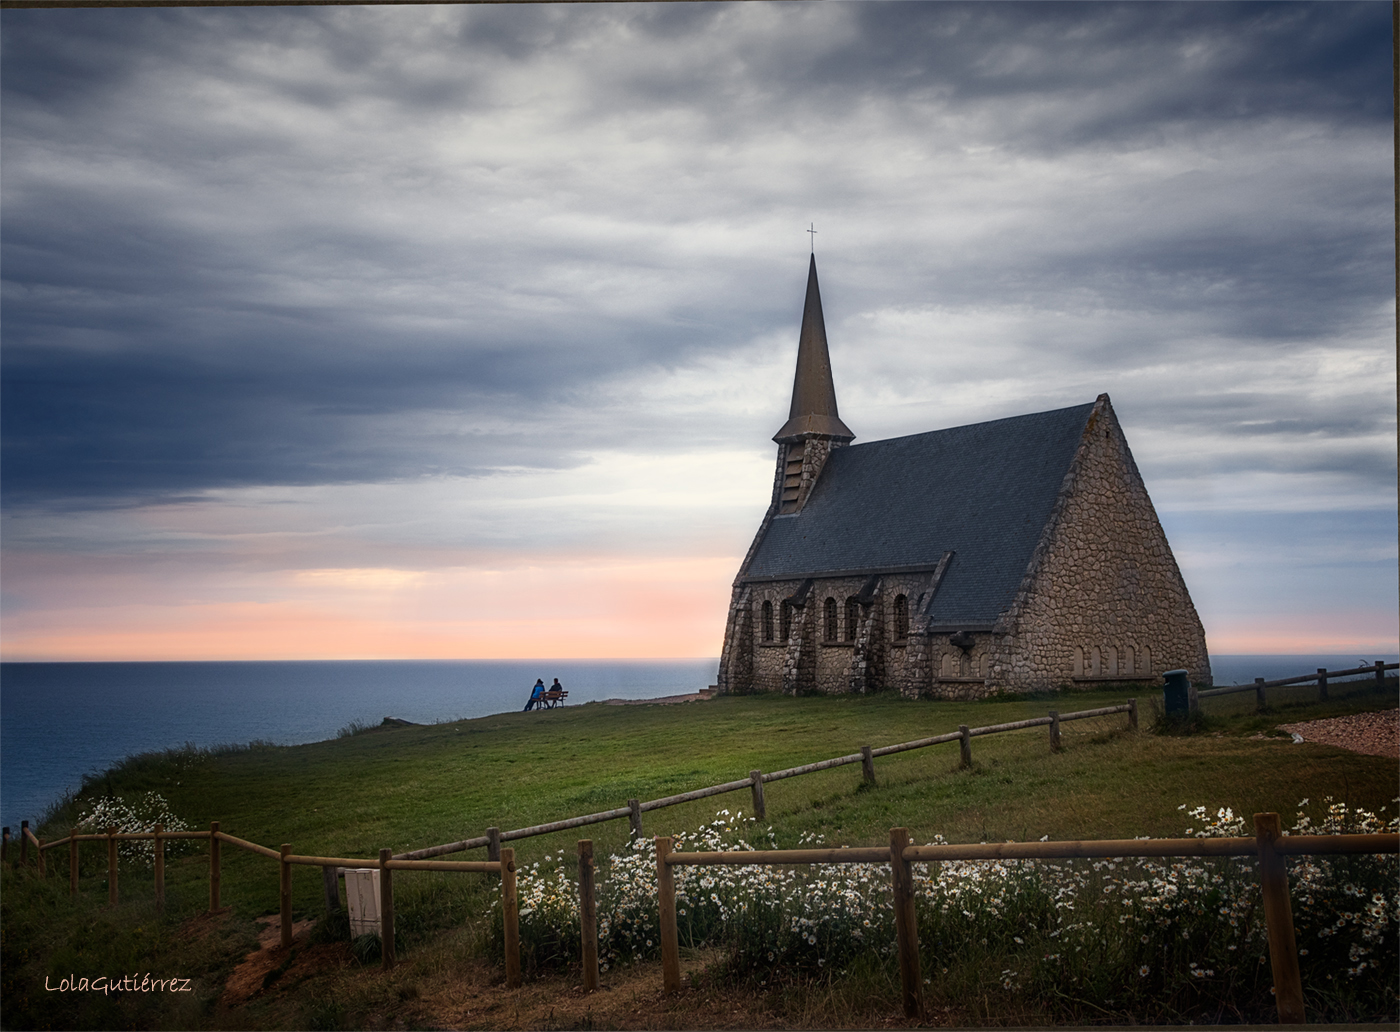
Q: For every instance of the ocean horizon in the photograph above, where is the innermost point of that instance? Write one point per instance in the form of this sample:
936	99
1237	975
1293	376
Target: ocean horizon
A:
61	721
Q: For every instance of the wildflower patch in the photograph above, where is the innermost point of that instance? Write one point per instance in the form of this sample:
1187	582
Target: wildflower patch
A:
1148	938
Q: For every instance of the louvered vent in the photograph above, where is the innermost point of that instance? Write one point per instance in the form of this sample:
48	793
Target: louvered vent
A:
792	477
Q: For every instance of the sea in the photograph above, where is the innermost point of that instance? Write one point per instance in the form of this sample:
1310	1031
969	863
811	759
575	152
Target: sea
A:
61	721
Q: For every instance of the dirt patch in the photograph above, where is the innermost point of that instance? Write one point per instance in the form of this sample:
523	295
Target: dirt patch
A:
472	996
1375	734
270	964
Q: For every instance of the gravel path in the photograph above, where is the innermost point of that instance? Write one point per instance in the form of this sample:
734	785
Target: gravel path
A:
1376	734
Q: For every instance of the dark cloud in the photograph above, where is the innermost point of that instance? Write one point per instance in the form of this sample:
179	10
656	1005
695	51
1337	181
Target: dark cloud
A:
332	245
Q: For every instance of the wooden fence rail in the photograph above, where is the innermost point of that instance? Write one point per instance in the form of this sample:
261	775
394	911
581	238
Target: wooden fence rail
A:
1321	678
286	860
1268	844
757	779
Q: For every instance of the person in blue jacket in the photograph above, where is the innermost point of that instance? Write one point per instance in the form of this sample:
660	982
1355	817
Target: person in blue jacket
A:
536	695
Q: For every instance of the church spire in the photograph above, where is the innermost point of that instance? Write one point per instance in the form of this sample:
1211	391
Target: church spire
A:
813	411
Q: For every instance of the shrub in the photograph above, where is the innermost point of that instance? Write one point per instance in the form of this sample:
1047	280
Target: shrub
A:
134	816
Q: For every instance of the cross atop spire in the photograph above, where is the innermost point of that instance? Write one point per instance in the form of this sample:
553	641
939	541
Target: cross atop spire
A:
813	411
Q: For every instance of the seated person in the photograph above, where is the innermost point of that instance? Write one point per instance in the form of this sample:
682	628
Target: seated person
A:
536	695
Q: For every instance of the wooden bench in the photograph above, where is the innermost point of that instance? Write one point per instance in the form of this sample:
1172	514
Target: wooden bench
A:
553	698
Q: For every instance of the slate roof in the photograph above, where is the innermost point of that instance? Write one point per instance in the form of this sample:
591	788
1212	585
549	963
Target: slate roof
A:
984	491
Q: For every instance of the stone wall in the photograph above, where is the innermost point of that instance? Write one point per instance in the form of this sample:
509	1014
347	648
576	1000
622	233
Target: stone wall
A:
1103	579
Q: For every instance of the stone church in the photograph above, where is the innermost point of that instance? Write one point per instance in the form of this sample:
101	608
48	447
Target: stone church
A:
1013	555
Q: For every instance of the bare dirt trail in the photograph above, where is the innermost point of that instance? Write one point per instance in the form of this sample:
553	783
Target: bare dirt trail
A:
1375	734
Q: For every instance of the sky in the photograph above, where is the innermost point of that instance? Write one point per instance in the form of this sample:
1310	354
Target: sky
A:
463	331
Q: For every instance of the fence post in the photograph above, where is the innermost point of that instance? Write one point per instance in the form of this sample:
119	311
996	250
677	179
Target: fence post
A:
493	845
760	807
73	862
906	927
158	846
867	765
966	747
285	895
1132	714
1054	731
587	915
39	855
1259	694
510	917
330	884
1380	673
666	892
23	843
1322	683
112	865
214	872
1278	917
635	817
386	910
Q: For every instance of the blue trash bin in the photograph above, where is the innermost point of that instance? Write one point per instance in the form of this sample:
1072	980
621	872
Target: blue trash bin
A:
1177	695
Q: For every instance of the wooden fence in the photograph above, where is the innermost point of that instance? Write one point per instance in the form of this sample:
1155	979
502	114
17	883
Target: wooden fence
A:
1268	844
757	779
1323	675
386	864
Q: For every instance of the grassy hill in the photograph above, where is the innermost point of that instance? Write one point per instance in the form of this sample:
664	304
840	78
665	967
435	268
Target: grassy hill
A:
414	786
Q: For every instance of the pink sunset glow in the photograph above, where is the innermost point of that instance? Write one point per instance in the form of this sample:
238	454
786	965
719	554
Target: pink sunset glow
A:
583	610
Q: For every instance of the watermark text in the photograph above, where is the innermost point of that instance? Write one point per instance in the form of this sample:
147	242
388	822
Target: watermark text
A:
137	983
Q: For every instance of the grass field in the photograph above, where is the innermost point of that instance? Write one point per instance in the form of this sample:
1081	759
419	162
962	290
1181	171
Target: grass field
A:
409	787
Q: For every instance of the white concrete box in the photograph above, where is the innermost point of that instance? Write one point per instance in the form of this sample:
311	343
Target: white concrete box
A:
362	897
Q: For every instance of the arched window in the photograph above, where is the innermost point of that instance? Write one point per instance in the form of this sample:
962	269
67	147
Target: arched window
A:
1095	662
901	617
1129	661
852	618
1078	661
830	611
786	622
767	621
1113	661
1146	660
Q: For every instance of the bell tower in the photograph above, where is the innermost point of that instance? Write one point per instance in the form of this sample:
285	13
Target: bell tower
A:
814	427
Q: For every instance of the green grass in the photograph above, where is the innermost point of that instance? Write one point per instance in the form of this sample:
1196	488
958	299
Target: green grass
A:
410	787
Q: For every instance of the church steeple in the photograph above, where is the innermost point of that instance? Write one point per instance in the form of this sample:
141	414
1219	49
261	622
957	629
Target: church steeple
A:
813	411
813	428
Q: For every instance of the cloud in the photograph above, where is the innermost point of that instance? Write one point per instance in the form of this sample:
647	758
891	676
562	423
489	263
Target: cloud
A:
386	282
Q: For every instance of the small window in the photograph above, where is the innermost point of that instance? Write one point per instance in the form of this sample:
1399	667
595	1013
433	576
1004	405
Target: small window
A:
1113	661
901	617
1129	661
1146	660
1078	661
786	627
767	621
852	618
830	610
1095	662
